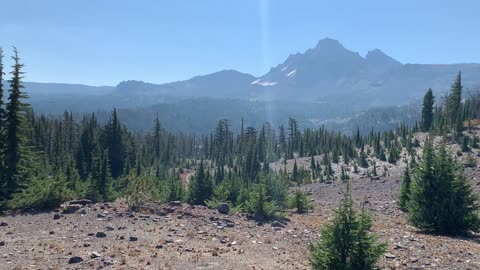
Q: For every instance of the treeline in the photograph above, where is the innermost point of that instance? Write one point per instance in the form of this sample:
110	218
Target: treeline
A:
450	115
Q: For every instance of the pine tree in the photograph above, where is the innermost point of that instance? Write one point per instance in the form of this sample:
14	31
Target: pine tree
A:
346	241
156	137
441	199
404	195
16	150
114	141
363	159
427	111
300	201
260	204
2	128
465	147
312	167
200	186
393	154
455	98
295	174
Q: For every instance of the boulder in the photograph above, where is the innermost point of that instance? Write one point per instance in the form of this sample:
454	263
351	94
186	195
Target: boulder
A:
259	218
277	224
82	202
175	203
71	208
223	208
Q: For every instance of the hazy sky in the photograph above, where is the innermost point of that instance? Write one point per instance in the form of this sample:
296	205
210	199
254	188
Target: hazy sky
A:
102	42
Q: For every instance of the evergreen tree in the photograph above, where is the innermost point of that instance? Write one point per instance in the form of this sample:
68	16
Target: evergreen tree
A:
363	159
427	110
300	201
347	243
465	147
295	174
455	98
200	186
441	199
156	137
16	150
393	154
260	204
404	195
114	141
312	167
2	127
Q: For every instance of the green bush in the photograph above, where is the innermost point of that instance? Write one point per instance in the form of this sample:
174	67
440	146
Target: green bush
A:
347	243
43	192
470	161
173	190
300	201
141	190
221	194
260	205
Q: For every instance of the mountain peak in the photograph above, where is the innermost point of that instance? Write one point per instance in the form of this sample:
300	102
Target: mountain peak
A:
328	43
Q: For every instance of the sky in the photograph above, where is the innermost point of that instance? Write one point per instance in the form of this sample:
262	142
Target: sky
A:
103	42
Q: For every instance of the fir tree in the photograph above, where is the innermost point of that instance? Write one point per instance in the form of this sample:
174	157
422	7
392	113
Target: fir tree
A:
346	241
200	186
363	159
427	111
260	204
16	150
404	195
2	127
300	201
455	98
295	174
114	141
312	167
441	199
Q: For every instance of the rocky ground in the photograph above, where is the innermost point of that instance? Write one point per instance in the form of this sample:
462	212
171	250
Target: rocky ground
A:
179	236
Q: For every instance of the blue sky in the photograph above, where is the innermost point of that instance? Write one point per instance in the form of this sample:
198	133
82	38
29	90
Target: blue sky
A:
106	41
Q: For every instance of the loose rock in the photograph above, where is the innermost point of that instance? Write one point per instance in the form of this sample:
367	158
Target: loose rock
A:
75	259
223	208
100	235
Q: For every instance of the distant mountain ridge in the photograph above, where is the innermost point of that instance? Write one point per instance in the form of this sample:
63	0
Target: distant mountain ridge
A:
326	73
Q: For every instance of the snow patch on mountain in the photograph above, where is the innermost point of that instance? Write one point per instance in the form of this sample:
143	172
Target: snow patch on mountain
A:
266	83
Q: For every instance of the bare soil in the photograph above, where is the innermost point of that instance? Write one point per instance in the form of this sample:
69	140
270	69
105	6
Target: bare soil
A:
179	236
